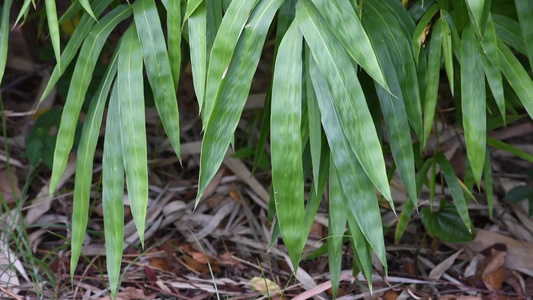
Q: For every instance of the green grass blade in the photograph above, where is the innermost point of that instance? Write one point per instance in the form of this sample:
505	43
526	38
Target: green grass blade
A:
455	189
432	79
113	193
491	65
447	52
233	92
361	247
511	149
84	164
158	69
132	125
174	39
87	6
384	19
420	31
192	5
72	10
517	77
78	87
395	115
4	36
487	174
23	11
53	28
473	102
197	24
357	187
337	68
524	8
336	228
345	24
509	31
78	36
222	51
286	144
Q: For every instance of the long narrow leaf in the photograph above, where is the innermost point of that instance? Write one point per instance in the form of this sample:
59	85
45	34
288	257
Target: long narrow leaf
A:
509	31
158	68
487	174
287	177
113	192
524	8
421	30
361	247
84	163
78	36
87	6
360	194
336	67
473	102
234	92
197	24
132	126
4	36
174	39
345	24
78	87
491	65
53	28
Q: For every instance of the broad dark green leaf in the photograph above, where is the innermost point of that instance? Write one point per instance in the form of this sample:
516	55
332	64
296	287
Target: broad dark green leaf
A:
53	28
517	77
4	36
233	92
158	68
347	27
473	102
78	36
446	224
84	163
518	194
358	189
455	189
336	67
132	125
78	87
524	8
113	192
223	50
337	226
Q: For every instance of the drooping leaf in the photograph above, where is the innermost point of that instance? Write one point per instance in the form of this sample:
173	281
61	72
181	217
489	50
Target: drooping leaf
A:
197	23
174	39
491	65
524	8
78	87
336	67
473	102
421	30
511	149
509	31
158	68
432	78
53	28
132	125
87	6
4	36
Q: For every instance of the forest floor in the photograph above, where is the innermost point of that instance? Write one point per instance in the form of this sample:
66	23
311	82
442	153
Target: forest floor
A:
224	247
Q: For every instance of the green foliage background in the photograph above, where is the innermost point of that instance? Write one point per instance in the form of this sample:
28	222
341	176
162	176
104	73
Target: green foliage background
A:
341	66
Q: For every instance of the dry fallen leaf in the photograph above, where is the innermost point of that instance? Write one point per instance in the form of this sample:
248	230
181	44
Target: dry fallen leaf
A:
493	281
130	293
390	295
452	297
8	190
264	286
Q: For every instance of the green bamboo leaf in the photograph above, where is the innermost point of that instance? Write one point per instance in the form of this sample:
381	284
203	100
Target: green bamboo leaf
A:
361	247
214	18
473	102
517	77
286	144
396	28
222	52
113	193
174	39
447	52
336	228
197	24
4	36
524	8
357	187
476	10
420	32
23	11
395	116
315	127
487	174
78	87
53	28
84	163
491	65
509	31
72	10
87	6
192	5
158	69
78	36
345	24
132	125
511	149
348	96
316	193
409	206
455	189
233	92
